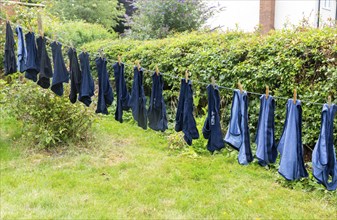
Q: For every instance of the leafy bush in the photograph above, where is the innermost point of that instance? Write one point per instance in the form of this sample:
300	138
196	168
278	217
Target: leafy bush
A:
79	32
48	119
107	13
301	58
153	19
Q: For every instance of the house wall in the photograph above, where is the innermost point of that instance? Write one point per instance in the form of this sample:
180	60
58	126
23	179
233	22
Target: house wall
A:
241	13
292	12
327	15
246	13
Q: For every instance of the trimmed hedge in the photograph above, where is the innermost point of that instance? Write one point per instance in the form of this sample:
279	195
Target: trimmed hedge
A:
301	58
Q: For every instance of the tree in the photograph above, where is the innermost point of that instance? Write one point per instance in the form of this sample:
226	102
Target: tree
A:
108	13
158	18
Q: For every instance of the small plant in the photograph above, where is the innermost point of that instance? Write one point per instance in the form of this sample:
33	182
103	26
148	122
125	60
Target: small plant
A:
48	120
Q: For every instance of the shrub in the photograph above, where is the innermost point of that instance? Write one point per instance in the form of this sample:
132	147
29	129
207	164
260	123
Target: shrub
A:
301	58
107	13
153	19
48	119
80	32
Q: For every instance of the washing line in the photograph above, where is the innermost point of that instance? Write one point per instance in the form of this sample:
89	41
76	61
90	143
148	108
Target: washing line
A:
176	77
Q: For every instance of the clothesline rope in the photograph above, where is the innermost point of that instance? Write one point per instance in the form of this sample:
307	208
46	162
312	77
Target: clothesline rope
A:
172	76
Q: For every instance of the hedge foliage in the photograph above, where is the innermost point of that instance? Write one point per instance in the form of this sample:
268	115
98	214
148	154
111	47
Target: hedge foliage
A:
304	58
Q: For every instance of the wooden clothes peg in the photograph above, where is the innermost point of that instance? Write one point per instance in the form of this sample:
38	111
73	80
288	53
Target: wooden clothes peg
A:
30	28
101	54
295	96
267	92
138	65
39	24
329	100
55	38
119	59
7	17
213	81
240	87
186	76
157	70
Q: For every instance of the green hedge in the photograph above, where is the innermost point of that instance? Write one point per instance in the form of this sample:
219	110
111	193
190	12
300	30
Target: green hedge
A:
301	58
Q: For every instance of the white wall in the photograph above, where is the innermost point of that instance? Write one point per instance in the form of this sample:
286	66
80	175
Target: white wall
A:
327	14
244	13
293	12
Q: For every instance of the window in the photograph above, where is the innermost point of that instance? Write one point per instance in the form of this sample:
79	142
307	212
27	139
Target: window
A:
327	4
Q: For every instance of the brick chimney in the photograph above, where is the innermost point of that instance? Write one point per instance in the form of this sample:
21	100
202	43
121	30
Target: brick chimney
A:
267	15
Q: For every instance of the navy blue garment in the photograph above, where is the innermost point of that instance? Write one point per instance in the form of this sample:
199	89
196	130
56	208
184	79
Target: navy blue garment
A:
22	52
122	93
324	162
9	59
290	145
184	118
212	129
87	84
105	95
61	74
137	101
46	71
266	150
238	132
32	62
157	109
75	75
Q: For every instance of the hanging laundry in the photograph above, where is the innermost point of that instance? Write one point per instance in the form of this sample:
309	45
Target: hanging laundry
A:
105	95
157	109
32	62
87	88
122	93
61	74
75	75
266	150
238	132
137	100
22	52
46	71
212	129
324	162
184	118
9	59
290	145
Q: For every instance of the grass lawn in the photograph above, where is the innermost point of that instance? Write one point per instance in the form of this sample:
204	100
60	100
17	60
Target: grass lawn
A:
130	173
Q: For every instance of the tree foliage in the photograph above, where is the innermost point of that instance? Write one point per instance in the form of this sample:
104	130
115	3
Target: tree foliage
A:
157	19
108	13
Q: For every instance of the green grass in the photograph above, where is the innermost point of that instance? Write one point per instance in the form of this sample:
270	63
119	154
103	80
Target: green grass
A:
130	173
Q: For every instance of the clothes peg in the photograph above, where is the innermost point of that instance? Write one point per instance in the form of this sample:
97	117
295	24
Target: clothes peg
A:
295	96
240	87
30	28
39	24
213	81
157	70
101	54
7	17
71	44
329	100
119	59
186	76
267	92
55	38
84	50
138	65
